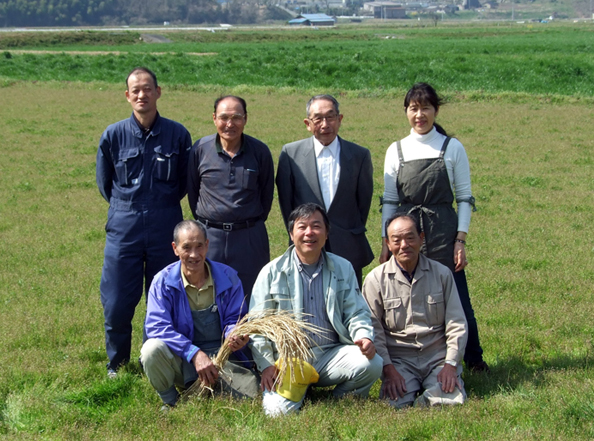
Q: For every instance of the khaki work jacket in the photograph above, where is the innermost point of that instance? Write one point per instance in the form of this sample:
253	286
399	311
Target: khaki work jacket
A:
424	316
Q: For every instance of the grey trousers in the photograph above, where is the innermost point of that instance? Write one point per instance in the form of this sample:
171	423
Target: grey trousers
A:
420	374
342	365
165	372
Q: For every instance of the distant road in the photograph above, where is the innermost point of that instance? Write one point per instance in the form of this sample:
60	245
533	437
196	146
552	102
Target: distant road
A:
142	29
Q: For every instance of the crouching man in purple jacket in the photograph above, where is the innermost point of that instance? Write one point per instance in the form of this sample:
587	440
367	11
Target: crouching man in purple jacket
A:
193	304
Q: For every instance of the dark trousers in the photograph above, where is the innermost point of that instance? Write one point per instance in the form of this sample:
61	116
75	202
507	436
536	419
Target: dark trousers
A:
246	251
138	246
474	352
358	271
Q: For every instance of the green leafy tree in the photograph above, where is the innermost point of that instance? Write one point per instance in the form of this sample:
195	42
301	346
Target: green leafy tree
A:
54	12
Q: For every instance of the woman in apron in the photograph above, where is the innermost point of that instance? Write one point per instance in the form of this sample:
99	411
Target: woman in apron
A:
422	175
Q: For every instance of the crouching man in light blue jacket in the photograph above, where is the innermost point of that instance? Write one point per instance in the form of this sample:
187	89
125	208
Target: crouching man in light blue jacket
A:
321	288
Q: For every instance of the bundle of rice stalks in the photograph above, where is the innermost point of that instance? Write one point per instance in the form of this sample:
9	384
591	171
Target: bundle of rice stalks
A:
287	332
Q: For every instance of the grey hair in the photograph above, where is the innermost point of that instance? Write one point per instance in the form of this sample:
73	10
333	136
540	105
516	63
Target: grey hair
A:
404	216
322	97
188	225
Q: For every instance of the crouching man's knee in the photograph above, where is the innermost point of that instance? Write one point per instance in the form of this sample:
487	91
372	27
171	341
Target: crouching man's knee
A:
161	366
435	396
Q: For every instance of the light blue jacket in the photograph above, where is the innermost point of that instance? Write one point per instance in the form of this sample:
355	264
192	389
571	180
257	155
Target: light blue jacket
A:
279	287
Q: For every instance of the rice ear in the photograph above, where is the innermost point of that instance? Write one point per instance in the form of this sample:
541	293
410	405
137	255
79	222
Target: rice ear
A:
283	328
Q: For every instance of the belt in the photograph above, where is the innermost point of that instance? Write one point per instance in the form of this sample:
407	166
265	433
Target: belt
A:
122	205
228	226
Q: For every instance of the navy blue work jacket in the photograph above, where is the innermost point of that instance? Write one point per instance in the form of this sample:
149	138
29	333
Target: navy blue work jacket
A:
140	171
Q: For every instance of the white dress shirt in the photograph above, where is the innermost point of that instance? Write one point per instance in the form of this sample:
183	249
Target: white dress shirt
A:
328	163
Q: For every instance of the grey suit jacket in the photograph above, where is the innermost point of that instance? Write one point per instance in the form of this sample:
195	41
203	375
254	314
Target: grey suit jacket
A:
297	183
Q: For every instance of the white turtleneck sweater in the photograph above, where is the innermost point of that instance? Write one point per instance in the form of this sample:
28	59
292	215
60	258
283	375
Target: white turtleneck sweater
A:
417	146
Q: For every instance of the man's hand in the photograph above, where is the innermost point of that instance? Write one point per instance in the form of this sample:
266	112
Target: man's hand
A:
207	372
448	377
236	342
268	378
393	385
367	347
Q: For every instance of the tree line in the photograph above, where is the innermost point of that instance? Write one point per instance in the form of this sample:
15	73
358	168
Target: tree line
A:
17	13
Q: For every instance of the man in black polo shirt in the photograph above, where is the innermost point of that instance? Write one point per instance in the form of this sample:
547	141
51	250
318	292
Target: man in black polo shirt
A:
230	190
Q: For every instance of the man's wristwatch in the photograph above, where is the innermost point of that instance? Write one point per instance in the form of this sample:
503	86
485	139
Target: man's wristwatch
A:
451	363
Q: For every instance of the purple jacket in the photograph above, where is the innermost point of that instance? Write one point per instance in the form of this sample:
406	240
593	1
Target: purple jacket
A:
168	315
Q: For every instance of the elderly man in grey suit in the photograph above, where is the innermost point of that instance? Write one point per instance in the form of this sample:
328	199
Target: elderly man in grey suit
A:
331	172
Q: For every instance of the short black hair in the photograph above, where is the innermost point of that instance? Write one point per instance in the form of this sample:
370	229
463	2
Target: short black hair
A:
188	225
145	70
305	211
238	98
410	217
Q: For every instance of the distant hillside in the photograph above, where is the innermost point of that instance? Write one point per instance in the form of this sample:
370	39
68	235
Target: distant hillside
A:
142	12
135	12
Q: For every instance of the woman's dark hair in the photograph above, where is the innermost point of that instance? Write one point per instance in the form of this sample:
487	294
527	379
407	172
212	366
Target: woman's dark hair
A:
423	93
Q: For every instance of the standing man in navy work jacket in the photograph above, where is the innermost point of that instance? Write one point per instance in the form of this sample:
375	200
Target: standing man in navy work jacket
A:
230	190
142	172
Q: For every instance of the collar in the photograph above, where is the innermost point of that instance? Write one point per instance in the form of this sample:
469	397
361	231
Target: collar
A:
301	265
427	137
392	267
219	146
409	276
143	131
208	282
332	147
219	274
289	258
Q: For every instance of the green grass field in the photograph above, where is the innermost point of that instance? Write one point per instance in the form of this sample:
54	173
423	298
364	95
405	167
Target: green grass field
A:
530	248
538	59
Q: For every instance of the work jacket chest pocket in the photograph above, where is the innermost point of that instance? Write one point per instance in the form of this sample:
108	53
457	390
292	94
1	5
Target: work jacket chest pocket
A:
281	298
250	179
128	166
435	308
395	315
165	164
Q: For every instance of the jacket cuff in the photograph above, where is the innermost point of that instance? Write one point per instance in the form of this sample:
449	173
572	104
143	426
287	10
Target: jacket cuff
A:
454	355
193	351
263	363
385	356
362	333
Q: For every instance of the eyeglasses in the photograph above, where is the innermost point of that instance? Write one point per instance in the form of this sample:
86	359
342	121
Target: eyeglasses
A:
319	119
235	118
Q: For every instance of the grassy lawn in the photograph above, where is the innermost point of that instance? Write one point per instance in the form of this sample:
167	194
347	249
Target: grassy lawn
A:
530	247
520	102
537	59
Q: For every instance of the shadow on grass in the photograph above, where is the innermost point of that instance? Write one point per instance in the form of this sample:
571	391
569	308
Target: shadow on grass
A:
507	374
513	372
